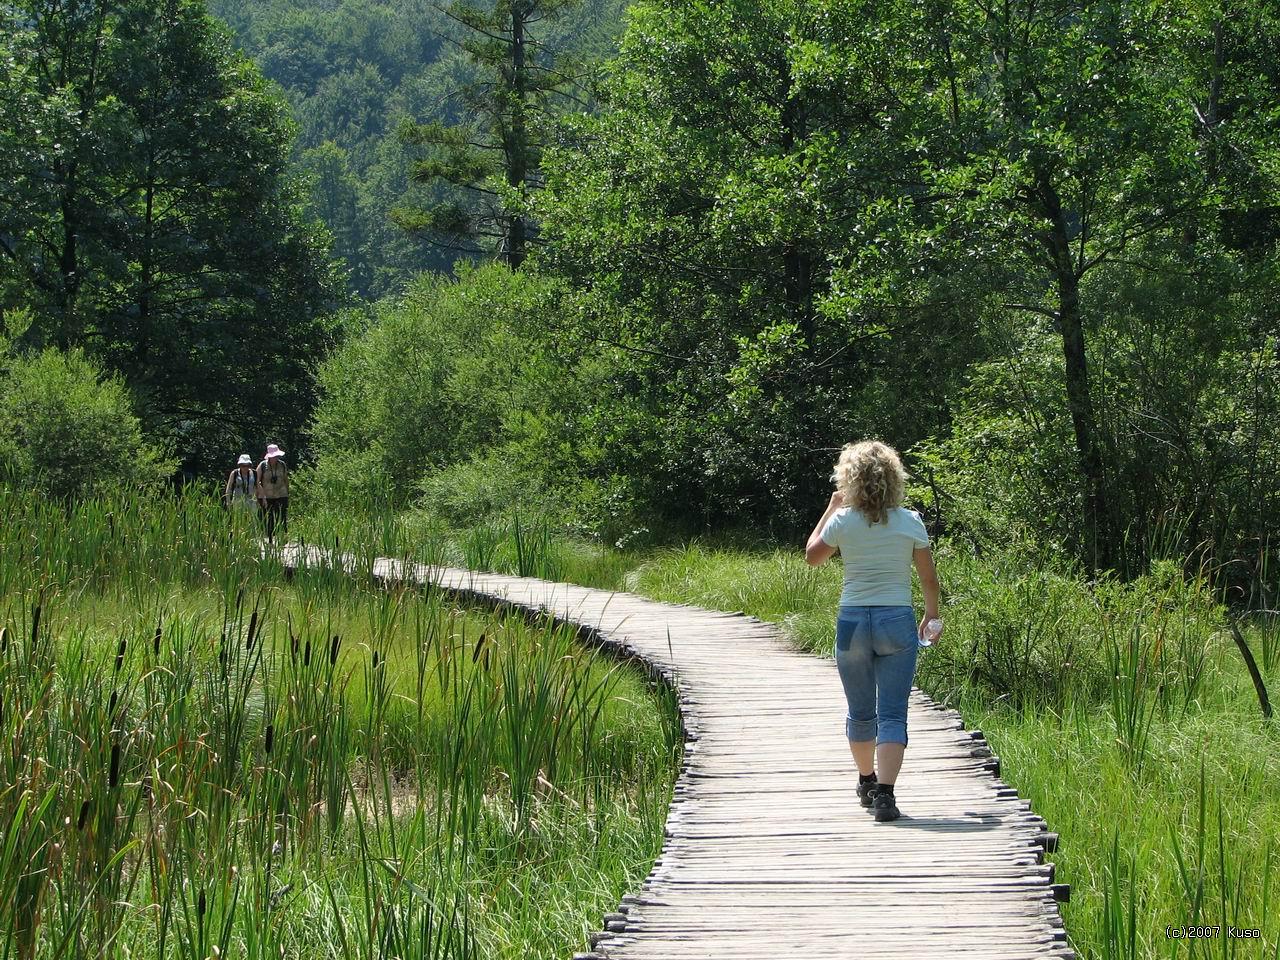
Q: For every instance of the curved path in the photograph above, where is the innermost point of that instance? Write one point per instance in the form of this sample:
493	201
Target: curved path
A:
768	853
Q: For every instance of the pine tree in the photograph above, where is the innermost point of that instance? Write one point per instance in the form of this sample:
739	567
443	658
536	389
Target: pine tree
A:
490	150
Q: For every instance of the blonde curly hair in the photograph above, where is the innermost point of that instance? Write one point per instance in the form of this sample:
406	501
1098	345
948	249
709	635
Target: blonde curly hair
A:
871	478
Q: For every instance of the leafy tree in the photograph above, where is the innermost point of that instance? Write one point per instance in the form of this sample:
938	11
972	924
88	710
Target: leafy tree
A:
347	108
157	225
1060	150
64	128
1086	170
335	201
1082	165
795	222
703	216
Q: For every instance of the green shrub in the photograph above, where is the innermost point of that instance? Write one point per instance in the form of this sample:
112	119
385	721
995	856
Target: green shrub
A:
469	492
69	430
451	392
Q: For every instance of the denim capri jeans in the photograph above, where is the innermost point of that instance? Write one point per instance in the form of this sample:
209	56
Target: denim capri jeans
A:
876	651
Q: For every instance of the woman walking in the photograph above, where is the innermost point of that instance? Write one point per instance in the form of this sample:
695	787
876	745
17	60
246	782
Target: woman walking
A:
242	486
877	637
273	486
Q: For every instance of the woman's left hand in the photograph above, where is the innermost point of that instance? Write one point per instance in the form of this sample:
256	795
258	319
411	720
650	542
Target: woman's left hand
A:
837	500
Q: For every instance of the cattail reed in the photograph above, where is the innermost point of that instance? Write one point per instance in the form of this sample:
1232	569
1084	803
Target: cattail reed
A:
140	867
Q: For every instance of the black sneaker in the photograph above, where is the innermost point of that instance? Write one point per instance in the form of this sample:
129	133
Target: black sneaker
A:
867	790
886	807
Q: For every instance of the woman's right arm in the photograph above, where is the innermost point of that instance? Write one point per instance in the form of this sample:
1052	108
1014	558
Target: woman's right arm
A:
226	494
929	585
817	551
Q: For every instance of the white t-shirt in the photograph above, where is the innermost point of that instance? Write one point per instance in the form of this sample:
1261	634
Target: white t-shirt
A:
876	556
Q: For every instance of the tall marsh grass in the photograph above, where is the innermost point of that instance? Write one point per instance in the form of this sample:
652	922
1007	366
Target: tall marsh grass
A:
204	760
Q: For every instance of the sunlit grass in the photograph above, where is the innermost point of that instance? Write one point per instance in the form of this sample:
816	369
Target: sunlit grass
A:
203	759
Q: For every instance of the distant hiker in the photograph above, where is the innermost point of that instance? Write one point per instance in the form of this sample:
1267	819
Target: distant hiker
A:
877	637
273	487
242	486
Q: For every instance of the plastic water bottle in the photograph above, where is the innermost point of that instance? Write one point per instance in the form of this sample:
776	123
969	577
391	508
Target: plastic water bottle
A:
932	631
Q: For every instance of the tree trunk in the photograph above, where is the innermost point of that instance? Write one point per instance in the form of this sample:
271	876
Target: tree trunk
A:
517	141
142	333
69	271
797	259
1098	529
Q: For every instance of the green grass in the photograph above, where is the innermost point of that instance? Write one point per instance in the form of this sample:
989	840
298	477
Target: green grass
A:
205	760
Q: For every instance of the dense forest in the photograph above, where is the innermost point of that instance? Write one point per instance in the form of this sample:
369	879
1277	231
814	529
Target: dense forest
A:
358	78
1033	246
1037	248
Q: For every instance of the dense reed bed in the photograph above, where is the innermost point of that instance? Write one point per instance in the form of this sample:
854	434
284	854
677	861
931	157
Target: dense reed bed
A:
205	760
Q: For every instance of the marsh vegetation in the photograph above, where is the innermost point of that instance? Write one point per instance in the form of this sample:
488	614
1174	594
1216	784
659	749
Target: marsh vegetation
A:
206	759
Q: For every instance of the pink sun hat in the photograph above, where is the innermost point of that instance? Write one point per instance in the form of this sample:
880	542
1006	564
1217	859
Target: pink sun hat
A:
274	451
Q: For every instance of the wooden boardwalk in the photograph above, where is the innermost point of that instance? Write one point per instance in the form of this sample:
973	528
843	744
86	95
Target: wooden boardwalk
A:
768	853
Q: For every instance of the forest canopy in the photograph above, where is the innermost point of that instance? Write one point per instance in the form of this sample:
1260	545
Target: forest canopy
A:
1034	247
1037	250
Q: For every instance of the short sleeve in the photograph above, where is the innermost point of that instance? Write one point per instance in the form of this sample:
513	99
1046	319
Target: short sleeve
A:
833	526
919	535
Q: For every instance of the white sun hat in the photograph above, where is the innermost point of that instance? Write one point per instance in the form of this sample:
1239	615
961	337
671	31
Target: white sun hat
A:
244	461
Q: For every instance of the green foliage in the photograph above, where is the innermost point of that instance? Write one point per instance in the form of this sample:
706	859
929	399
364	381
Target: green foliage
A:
452	392
794	224
68	431
701	218
356	73
1187	404
472	490
150	218
1089	205
335	202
